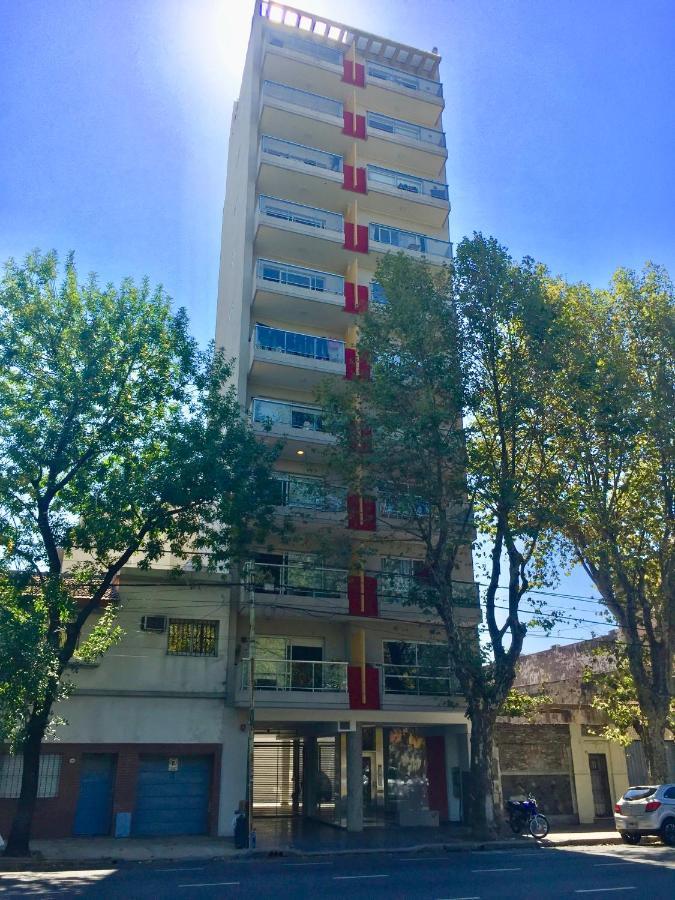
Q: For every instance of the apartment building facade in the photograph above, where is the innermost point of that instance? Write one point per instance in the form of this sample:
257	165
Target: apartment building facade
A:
336	157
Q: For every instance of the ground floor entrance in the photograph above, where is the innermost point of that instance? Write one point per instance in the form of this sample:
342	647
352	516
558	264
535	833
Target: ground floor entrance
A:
360	776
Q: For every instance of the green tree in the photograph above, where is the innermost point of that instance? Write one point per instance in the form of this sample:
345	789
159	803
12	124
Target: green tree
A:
119	439
613	408
447	347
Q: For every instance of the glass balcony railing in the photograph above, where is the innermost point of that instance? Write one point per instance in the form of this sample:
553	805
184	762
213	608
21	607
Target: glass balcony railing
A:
429	681
410	240
295	675
306	47
322	219
308	156
299	580
297	344
407	184
300	277
378	122
301	492
305	99
378	72
400	587
401	506
293	415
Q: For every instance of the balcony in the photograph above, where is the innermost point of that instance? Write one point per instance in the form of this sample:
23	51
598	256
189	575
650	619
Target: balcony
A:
289	420
284	167
402	94
303	63
292	359
316	297
302	116
299	492
384	239
399	142
298	580
407	197
411	687
297	232
285	682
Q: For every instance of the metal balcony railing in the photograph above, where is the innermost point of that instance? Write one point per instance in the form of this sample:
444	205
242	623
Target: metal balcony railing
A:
286	210
401	506
306	47
296	344
421	681
378	122
410	240
308	156
298	580
407	184
390	76
295	675
294	415
300	277
305	99
301	492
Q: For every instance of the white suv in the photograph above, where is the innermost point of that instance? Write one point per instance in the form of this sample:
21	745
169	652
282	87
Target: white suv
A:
647	810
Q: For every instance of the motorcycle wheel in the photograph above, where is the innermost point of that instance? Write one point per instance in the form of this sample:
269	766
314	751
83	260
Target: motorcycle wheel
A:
538	826
516	824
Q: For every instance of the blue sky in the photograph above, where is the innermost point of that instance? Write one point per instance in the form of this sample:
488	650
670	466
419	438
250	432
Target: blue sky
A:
114	118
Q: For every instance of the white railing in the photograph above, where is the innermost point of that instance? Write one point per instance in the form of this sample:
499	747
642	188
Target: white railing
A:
409	240
308	156
286	94
298	580
404	129
294	415
312	216
406	184
295	675
300	277
379	73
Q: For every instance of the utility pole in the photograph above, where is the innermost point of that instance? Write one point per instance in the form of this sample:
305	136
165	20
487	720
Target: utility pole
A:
251	705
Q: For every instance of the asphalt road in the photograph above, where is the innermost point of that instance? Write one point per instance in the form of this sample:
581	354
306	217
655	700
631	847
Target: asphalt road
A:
579	873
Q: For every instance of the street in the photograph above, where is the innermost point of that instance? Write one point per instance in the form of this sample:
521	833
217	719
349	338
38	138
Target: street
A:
548	873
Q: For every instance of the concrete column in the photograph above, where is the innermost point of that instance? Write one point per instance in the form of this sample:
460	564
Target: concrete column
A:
310	775
582	776
355	780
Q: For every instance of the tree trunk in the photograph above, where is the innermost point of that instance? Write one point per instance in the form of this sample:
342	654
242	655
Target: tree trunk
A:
482	818
18	843
654	743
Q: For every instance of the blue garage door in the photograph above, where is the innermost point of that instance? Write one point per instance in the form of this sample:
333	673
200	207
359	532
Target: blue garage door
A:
94	802
172	795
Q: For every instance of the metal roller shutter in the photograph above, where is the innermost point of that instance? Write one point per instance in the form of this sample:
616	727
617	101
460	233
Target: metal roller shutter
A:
170	802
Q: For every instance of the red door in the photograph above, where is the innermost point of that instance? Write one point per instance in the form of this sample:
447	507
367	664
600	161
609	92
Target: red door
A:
438	785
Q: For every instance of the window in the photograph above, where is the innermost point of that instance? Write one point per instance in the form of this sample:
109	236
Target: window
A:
11	771
193	637
416	667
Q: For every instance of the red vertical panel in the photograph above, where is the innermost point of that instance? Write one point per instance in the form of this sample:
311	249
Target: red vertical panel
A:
362	238
348	177
438	783
372	688
350	363
360	127
348	71
354	595
370	586
353	511
369	514
350	239
362	297
361	180
359	75
350	297
348	122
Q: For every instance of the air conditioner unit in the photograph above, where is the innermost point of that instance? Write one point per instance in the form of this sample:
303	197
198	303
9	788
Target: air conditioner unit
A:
156	624
346	725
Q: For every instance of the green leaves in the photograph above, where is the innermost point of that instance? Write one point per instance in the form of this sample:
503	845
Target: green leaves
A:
119	439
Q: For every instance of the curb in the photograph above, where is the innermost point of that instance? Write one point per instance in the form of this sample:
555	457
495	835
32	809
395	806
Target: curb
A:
39	863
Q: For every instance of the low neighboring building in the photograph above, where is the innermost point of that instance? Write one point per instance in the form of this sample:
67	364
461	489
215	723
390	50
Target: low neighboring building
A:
575	774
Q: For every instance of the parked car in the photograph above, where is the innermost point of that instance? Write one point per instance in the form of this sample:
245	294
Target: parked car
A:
647	809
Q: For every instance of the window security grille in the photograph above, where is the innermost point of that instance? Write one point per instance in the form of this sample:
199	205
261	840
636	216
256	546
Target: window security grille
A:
11	771
192	637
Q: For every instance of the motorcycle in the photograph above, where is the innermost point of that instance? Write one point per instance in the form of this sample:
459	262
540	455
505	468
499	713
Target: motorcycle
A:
523	814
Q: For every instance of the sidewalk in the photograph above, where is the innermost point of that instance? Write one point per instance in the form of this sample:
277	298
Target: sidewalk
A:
324	841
